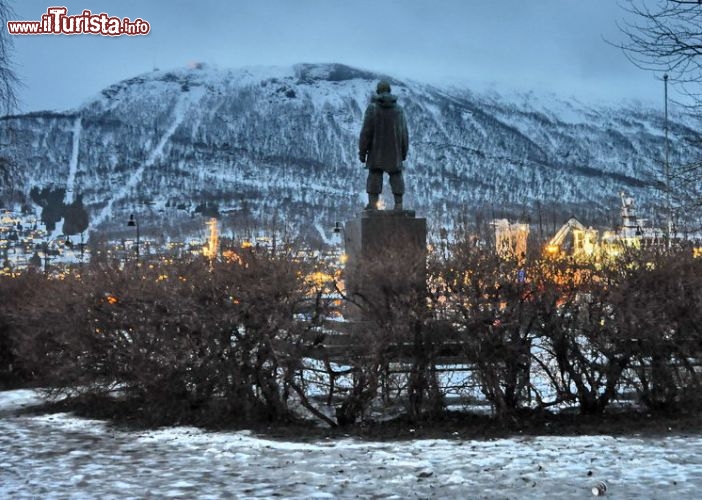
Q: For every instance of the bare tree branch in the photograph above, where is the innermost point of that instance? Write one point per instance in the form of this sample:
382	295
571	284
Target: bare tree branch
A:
665	36
9	81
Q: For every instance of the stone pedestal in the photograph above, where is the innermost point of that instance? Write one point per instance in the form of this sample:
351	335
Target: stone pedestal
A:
386	252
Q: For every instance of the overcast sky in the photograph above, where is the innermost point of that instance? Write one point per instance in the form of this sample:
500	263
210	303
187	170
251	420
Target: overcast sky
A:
527	44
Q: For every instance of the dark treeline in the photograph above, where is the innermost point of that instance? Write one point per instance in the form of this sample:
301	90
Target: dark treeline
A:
249	338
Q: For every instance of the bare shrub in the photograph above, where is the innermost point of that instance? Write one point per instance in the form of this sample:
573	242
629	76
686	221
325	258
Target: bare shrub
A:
397	347
582	334
181	339
658	305
201	341
488	303
23	297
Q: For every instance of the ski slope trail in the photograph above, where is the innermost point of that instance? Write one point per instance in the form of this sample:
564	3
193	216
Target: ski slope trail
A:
186	101
73	165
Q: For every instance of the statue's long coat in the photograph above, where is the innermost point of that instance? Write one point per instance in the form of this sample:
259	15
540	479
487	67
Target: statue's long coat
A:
384	139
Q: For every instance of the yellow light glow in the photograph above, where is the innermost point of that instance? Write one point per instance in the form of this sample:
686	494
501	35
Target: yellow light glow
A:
231	256
211	248
319	279
552	249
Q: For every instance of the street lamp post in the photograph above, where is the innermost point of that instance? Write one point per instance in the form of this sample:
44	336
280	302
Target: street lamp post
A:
134	222
668	205
46	258
47	251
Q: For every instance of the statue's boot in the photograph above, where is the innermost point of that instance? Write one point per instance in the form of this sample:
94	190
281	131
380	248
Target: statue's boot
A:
398	202
372	201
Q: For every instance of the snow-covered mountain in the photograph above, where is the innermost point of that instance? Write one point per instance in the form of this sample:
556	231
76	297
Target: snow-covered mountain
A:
278	146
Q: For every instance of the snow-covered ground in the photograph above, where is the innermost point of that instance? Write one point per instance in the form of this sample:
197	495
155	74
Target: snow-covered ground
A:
60	456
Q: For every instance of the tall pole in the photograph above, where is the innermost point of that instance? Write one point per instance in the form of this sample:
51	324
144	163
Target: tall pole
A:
134	221
137	243
668	207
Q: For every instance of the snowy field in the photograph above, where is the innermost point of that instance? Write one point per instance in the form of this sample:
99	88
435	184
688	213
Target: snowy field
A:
60	456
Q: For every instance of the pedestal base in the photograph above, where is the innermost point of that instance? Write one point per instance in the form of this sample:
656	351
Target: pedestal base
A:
386	252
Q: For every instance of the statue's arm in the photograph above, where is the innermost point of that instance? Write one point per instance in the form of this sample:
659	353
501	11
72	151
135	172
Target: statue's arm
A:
365	141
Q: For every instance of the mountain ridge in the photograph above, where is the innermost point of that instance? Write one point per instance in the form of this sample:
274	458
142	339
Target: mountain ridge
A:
276	145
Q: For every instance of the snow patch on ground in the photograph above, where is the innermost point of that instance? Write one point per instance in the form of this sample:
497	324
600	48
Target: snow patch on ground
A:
22	398
58	455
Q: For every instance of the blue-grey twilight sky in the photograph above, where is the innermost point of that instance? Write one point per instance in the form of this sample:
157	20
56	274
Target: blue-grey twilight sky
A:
525	44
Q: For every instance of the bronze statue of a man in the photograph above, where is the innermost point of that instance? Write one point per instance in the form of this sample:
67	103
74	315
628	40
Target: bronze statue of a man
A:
383	145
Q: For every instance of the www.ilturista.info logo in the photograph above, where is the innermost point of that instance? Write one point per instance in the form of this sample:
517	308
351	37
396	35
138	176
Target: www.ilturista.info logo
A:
56	21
